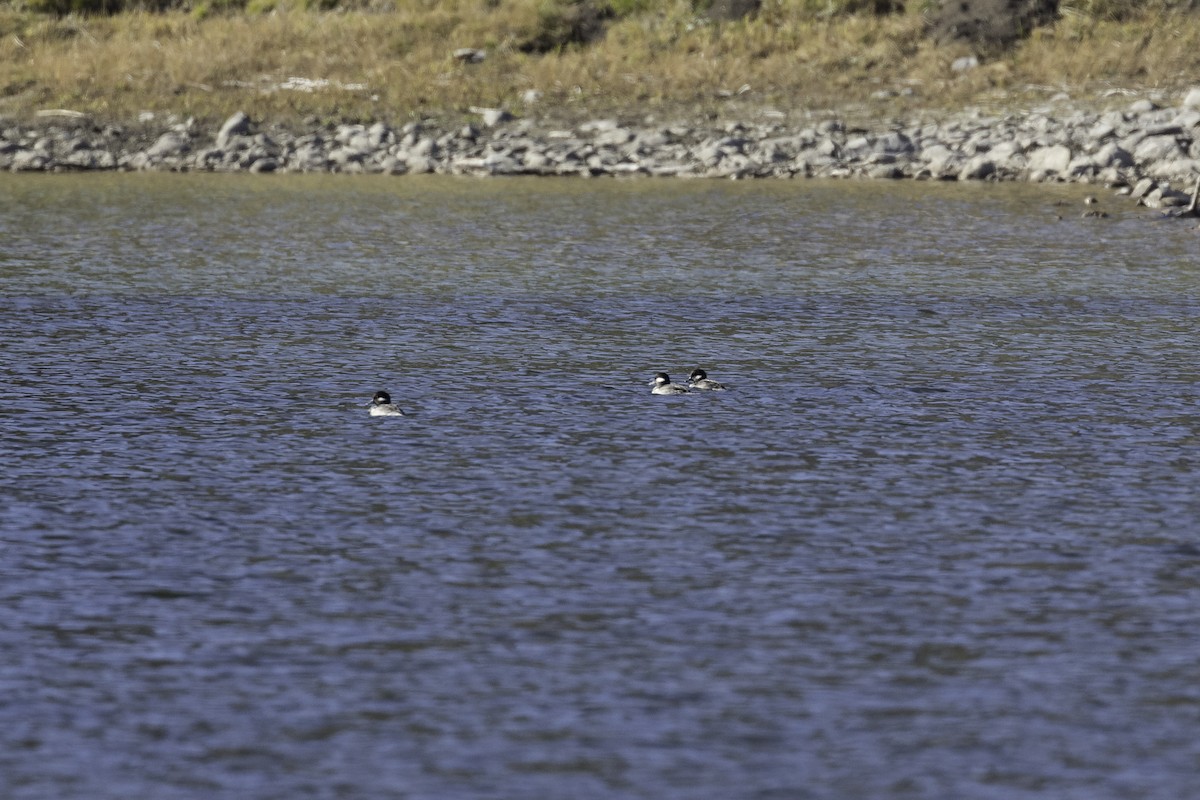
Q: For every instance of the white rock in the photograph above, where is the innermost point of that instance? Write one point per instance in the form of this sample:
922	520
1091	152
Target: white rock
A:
237	125
1053	159
893	142
469	55
1113	155
614	138
977	168
1142	188
492	116
1157	148
1177	169
169	144
597	125
941	160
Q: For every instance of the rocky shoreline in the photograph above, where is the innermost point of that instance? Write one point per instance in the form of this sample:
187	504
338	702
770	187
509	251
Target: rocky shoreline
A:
1147	150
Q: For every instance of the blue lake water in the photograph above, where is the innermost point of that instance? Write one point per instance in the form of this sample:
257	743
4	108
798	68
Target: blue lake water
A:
940	538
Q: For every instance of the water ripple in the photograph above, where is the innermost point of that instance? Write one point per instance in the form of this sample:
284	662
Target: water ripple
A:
936	541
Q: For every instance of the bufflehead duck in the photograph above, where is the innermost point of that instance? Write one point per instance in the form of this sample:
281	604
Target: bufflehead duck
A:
699	380
662	385
382	406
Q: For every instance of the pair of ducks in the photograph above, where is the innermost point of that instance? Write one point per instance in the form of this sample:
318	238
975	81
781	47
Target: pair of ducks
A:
381	404
697	380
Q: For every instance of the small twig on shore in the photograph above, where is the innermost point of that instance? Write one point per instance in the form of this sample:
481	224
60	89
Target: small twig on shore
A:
1191	209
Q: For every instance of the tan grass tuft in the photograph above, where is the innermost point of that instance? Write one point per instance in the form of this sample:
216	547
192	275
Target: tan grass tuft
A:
665	58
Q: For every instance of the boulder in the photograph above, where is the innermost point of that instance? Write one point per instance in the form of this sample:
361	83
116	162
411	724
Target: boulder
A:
1053	159
1166	197
1142	188
469	55
170	143
977	169
1112	155
1157	148
941	161
29	161
237	125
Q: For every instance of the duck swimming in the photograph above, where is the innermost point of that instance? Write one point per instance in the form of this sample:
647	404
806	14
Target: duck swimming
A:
662	385
381	405
699	380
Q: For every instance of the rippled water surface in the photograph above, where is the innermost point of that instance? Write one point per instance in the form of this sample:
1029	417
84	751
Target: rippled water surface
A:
941	538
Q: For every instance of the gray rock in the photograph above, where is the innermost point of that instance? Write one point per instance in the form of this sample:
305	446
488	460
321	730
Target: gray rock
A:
380	135
170	143
236	125
1081	168
1192	98
89	160
493	116
390	165
614	137
709	155
829	148
597	125
1052	160
649	141
1169	128
420	165
942	161
1112	155
830	127
1175	169
537	162
1165	197
856	147
977	168
895	143
29	160
426	146
309	157
1009	156
1142	188
1102	130
362	142
885	172
1187	120
469	55
1157	148
346	159
505	164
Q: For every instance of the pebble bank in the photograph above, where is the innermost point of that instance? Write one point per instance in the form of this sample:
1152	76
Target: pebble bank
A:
1149	150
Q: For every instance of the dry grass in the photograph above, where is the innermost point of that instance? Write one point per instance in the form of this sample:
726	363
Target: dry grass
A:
659	61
